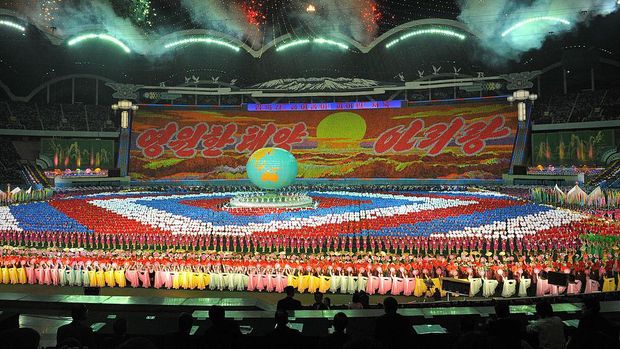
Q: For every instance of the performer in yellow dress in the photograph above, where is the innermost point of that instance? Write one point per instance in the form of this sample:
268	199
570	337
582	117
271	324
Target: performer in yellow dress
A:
314	283
100	275
304	282
175	279
109	278
13	275
92	278
609	284
119	278
5	275
293	280
21	275
325	283
184	279
420	287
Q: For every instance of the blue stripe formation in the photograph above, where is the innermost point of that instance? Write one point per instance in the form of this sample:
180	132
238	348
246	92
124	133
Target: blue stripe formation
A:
40	216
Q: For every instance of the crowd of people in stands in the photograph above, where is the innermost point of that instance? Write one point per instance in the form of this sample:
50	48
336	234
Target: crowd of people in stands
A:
578	107
57	117
390	330
9	164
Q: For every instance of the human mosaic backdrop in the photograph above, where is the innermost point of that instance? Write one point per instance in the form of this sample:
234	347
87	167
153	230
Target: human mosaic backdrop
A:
420	142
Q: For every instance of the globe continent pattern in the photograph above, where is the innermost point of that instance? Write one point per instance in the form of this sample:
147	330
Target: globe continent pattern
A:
272	168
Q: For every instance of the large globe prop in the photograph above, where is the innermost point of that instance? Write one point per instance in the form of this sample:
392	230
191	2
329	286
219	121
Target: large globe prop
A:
272	168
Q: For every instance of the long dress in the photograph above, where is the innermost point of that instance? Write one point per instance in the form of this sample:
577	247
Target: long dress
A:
574	287
509	289
475	284
334	285
524	284
31	275
408	286
22	278
609	285
397	285
119	278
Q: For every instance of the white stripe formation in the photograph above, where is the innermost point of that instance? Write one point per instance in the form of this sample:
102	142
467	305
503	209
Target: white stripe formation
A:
177	224
7	220
518	226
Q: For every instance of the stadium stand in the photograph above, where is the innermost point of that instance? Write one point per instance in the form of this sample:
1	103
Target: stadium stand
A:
10	170
53	117
578	107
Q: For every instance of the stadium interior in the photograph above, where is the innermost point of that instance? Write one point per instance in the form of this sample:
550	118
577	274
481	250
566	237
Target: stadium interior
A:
320	173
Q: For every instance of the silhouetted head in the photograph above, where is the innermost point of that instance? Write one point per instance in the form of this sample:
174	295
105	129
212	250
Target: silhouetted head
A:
544	309
340	322
281	318
79	312
185	322
318	297
217	314
390	305
327	301
502	309
290	291
364	299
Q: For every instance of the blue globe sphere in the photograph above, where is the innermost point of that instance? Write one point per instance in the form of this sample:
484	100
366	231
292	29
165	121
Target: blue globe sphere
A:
272	168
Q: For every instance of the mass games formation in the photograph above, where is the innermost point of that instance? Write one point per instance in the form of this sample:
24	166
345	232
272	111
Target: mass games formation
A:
414	171
373	238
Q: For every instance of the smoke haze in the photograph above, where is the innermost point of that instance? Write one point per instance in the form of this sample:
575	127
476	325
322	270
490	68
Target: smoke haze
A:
490	18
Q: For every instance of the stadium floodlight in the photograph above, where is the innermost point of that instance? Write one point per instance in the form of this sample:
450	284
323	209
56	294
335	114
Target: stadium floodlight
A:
201	40
13	25
330	42
104	37
293	43
533	20
429	31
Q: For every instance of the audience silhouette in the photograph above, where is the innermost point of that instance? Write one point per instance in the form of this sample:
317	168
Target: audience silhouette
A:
289	303
77	330
392	329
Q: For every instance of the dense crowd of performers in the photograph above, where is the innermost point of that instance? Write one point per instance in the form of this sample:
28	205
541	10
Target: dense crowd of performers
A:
490	275
505	258
587	251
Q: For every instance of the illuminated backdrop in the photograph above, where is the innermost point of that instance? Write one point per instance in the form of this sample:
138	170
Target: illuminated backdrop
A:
468	140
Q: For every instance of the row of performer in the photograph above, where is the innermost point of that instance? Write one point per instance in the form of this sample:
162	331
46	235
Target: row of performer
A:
418	286
559	238
487	283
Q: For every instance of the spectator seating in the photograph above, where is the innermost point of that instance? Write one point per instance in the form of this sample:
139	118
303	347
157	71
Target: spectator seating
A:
10	171
57	117
578	107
